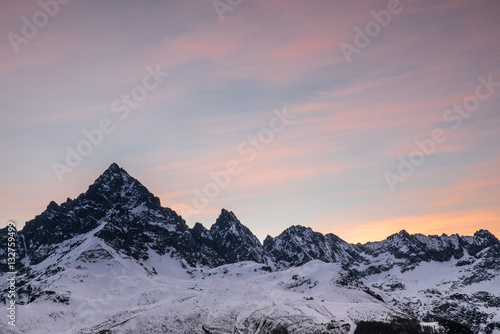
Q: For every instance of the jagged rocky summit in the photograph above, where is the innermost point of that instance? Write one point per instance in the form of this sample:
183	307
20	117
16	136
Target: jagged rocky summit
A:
445	281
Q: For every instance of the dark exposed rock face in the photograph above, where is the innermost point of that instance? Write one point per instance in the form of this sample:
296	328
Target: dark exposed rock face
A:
298	245
120	211
131	219
233	241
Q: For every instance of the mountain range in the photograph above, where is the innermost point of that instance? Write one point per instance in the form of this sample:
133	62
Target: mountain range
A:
113	260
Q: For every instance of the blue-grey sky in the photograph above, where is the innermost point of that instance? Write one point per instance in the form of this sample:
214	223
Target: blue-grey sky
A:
359	118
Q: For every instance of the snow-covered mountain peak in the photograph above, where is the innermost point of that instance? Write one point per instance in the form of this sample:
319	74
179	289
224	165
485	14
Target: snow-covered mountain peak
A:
226	219
484	237
298	245
114	176
298	230
116	199
116	186
53	206
233	241
401	236
403	233
118	225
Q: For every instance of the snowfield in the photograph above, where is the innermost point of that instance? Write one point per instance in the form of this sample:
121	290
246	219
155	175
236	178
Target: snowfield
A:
115	261
101	291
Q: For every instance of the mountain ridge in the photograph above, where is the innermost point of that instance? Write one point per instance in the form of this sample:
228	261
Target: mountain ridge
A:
118	193
117	221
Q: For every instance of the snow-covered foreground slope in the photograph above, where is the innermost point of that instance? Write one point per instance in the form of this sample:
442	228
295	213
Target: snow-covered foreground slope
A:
452	277
102	291
444	289
113	260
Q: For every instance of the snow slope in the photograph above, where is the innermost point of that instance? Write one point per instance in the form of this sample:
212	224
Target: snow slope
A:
114	260
102	291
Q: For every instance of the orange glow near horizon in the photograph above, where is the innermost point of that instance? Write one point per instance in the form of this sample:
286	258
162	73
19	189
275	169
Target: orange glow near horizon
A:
354	120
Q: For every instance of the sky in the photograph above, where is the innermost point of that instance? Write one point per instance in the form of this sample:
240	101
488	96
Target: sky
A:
358	118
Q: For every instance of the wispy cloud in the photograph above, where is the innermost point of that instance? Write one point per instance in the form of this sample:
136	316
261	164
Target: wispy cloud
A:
325	170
